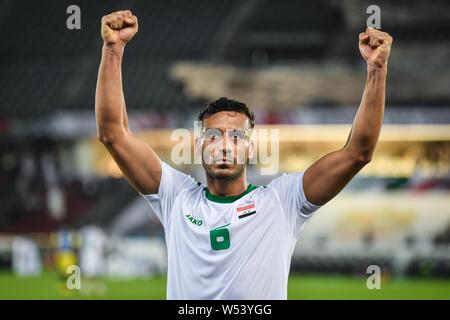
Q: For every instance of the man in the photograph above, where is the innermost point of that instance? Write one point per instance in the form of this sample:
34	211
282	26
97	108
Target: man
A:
93	243
26	259
230	239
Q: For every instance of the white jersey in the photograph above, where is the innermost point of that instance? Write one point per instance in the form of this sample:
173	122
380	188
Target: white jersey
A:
229	247
92	260
26	260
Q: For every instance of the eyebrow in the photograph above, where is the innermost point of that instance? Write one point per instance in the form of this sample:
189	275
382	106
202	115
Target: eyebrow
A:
225	129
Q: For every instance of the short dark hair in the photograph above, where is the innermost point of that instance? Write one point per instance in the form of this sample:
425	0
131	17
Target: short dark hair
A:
225	104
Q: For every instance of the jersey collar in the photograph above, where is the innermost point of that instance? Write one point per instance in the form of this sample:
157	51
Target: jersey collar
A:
227	199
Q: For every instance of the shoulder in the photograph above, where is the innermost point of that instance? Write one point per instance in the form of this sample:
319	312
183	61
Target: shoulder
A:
192	188
176	177
287	182
264	192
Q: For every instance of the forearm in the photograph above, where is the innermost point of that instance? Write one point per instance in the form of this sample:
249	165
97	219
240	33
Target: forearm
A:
109	100
326	177
369	117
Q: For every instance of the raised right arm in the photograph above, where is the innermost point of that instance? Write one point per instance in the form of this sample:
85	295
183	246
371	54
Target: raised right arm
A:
138	162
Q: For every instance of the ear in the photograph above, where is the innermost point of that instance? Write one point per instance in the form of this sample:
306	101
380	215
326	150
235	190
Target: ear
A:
251	149
198	146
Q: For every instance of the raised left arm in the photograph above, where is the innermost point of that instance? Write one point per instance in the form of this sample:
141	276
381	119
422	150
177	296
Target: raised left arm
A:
326	177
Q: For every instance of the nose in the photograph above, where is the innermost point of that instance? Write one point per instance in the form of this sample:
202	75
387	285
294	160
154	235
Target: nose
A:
226	146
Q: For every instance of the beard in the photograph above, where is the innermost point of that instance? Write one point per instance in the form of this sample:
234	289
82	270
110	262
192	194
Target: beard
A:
224	171
226	165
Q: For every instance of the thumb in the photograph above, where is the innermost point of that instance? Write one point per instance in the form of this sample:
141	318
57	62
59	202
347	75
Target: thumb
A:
130	21
363	38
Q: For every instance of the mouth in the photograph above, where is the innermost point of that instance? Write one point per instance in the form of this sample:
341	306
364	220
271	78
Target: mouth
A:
224	161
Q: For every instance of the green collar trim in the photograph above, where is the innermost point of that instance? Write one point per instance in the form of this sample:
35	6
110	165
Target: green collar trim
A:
227	199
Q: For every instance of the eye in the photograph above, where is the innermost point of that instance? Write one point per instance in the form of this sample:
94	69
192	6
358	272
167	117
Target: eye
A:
237	135
212	134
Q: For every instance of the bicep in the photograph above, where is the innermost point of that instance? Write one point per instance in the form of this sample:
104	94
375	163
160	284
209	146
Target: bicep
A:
138	162
326	177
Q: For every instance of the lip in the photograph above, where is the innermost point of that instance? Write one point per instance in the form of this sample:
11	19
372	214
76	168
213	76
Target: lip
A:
225	161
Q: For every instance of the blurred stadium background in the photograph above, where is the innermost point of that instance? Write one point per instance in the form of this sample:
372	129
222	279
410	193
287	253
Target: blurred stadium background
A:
296	63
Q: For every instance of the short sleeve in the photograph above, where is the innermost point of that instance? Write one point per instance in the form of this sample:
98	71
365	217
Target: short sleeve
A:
297	208
172	183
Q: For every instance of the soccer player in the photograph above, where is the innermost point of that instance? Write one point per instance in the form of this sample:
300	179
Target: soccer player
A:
231	239
92	259
65	242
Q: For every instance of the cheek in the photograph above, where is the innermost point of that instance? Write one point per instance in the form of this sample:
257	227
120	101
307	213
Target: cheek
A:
209	150
241	150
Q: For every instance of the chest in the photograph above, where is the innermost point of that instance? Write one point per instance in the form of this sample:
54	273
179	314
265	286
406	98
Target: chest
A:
218	227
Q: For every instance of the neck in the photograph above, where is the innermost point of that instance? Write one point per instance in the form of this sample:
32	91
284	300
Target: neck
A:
227	188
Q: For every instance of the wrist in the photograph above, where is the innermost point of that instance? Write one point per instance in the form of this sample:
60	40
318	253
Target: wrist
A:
377	69
114	48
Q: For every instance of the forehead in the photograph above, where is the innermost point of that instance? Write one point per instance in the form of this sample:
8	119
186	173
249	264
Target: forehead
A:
227	119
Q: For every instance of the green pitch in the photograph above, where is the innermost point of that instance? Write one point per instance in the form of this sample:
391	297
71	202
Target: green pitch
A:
300	287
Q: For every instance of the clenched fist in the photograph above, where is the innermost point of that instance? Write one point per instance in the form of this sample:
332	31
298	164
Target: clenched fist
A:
119	27
375	46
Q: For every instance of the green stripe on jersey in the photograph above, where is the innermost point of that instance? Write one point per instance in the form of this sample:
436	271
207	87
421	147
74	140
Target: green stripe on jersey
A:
228	199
